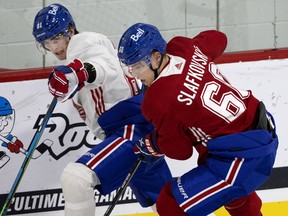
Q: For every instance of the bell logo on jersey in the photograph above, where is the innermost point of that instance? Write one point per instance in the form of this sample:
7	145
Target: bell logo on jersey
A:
137	35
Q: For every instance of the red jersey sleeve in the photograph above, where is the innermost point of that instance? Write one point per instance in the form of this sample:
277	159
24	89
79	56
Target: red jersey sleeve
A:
212	43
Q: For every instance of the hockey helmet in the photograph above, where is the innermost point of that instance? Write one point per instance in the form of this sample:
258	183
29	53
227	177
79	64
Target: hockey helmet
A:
7	117
51	21
5	107
138	42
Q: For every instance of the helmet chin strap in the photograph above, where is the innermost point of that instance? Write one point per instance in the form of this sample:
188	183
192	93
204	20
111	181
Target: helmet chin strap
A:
156	74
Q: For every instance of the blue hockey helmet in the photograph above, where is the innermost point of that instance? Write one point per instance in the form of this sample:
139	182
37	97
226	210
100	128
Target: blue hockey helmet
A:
138	42
7	117
5	107
51	21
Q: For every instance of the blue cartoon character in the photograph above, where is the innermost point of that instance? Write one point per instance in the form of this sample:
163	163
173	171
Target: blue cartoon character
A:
7	120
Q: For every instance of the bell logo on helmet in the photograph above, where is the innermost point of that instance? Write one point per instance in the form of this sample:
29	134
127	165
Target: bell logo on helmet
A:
54	9
138	34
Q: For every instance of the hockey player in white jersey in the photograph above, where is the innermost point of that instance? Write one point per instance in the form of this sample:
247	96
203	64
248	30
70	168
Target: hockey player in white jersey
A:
109	103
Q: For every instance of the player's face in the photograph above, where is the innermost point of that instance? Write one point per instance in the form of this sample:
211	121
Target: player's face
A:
138	68
146	77
142	71
57	45
7	124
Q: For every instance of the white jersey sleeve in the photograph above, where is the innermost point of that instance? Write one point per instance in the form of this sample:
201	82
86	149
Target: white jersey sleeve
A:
110	86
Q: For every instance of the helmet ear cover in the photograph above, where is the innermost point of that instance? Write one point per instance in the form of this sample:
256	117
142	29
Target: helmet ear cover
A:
138	42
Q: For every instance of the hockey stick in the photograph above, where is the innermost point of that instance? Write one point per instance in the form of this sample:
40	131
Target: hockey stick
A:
124	185
29	154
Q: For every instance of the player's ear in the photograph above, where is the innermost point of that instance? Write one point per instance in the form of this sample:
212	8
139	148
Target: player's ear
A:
71	30
156	56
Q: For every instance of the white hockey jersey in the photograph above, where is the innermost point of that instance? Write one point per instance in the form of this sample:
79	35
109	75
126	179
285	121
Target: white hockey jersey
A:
110	86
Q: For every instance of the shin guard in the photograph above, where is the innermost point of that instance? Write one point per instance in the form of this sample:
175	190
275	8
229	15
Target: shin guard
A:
78	182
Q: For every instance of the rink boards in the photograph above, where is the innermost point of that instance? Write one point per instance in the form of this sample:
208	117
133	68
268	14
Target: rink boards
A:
264	72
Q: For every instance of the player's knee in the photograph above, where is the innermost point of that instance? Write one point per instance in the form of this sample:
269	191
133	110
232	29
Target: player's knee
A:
77	178
78	182
166	203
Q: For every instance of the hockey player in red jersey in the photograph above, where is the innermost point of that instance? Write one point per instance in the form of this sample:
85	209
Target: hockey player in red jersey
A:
194	107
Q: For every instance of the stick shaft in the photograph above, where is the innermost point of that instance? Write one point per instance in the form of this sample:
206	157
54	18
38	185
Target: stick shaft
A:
123	186
26	161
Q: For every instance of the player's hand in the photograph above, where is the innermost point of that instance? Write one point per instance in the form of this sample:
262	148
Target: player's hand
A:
65	81
15	145
148	148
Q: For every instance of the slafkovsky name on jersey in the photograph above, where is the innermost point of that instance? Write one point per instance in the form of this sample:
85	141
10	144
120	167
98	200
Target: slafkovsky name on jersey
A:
194	76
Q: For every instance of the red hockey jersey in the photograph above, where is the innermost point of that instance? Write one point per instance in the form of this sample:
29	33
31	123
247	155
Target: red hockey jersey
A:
191	101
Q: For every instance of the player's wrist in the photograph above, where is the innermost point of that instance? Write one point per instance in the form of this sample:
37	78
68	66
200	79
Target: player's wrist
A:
91	72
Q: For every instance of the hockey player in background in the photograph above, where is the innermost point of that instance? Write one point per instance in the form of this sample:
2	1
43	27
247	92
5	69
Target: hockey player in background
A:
108	102
193	106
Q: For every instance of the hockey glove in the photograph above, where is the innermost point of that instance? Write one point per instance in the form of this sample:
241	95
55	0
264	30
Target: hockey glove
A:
14	145
65	81
148	148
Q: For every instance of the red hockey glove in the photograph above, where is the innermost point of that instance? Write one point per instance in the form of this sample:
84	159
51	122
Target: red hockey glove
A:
65	81
15	145
148	148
